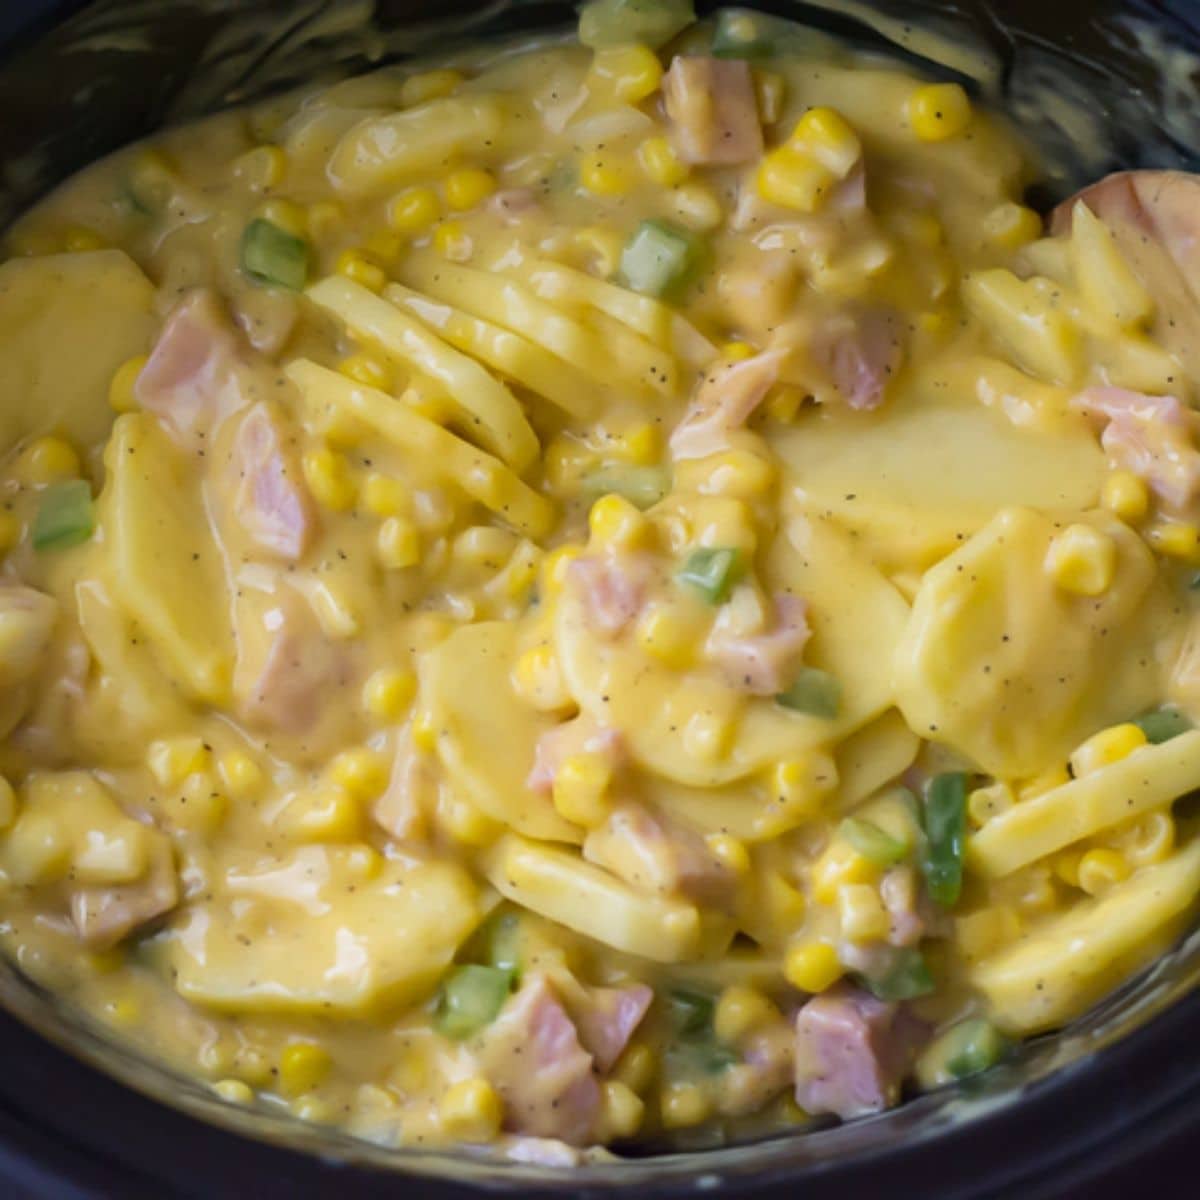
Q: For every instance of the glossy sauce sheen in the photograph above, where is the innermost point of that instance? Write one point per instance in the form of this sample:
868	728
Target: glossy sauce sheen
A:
495	704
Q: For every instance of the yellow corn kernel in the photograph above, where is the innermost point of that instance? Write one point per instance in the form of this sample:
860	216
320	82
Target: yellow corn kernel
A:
385	245
369	370
429	85
355	265
555	566
124	1011
325	219
388	692
811	966
1082	560
1065	866
471	1111
10	530
840	864
262	168
603	173
121	396
614	521
980	933
1176	539
1011	225
1108	746
627	73
172	760
663	632
642	444
240	775
329	814
452	242
783	404
538	680
770	90
682	1104
312	1110
425	731
1100	869
697	206
793	180
861	913
520	573
740	1011
46	460
463	822
8	803
986	803
1126	495
483	546
826	135
580	788
661	164
286	215
386	496
302	1067
739	474
636	1067
939	111
468	187
730	851
602	248
737	351
414	210
1045	782
234	1091
362	772
328	477
621	1110
797	787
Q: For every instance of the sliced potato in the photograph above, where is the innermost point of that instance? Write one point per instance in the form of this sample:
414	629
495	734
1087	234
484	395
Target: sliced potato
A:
874	756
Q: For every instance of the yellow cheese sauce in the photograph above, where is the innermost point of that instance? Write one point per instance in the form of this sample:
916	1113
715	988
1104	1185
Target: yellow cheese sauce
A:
606	590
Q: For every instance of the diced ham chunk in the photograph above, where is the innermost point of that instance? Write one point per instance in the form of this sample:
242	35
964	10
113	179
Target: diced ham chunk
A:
852	1051
271	500
713	111
607	1018
762	664
1152	436
103	916
902	899
580	735
861	352
650	853
193	379
532	1056
724	401
613	589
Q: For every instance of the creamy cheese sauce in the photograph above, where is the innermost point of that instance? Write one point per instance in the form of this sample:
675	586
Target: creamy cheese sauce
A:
595	592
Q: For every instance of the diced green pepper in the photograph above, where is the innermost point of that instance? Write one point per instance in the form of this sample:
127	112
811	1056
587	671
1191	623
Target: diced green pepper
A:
641	486
1163	724
814	692
64	516
946	834
873	843
741	34
690	1012
618	22
660	258
694	1049
712	572
469	999
906	978
973	1046
272	256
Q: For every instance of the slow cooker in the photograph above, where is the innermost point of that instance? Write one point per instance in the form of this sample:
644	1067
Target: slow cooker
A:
1102	1108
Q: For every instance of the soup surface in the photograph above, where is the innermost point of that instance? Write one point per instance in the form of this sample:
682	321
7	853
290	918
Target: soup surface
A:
610	588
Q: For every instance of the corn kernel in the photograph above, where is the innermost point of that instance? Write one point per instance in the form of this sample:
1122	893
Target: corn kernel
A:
621	1110
682	1104
124	1011
603	173
10	530
812	966
636	1067
1106	747
580	788
797	787
614	521
740	1011
330	814
840	864
1126	495
1100	869
415	209
1175	539
46	460
626	73
1065	866
782	905
121	396
325	219
468	187
602	248
357	266
234	1091
770	90
483	546
1037	785
665	633
471	1111
240	775
465	823
362	772
641	444
425	731
1011	226
555	566
1082	560
661	164
825	134
697	206
385	245
286	215
730	851
429	85
792	180
328	477
538	680
939	111
861	913
737	351
452	242
386	496
738	474
171	761
262	168
369	370
783	404
388	692
302	1067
